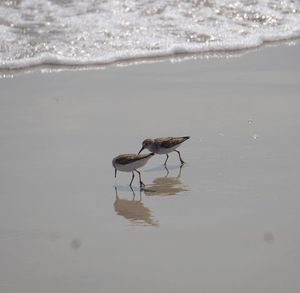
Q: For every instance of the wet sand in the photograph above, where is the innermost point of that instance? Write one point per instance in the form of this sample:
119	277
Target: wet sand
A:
228	222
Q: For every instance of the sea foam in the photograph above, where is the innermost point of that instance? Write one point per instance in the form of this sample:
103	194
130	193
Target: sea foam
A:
99	32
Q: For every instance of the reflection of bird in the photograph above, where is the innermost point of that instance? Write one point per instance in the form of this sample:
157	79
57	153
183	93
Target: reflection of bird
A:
166	185
134	210
130	163
164	146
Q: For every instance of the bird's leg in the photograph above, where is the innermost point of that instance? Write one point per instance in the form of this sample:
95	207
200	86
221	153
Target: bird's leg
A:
133	193
182	161
131	179
167	171
165	163
116	190
141	182
179	173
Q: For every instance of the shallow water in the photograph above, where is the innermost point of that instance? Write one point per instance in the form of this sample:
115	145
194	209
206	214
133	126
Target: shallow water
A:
227	223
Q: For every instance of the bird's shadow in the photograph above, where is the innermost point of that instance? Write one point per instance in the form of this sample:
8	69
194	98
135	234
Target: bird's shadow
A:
133	209
166	185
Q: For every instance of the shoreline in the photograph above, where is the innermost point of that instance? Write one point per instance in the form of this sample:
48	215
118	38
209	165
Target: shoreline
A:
178	57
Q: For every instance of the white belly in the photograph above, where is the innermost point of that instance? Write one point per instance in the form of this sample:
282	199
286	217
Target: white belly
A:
163	151
132	166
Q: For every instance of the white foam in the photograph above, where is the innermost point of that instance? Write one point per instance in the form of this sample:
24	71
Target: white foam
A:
89	32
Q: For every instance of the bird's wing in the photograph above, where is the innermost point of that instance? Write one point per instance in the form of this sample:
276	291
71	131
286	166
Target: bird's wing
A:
168	142
130	158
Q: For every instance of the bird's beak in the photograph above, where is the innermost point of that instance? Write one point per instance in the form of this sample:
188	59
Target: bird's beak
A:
115	172
141	149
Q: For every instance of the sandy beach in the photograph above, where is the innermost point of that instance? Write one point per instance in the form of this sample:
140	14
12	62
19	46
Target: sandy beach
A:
226	222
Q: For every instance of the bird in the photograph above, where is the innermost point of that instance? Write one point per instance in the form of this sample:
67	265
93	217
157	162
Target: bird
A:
164	145
130	163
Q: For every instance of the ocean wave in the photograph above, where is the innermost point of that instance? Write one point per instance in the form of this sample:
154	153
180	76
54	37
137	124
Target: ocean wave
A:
91	32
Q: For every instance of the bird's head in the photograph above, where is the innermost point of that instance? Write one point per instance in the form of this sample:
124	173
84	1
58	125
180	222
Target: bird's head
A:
147	143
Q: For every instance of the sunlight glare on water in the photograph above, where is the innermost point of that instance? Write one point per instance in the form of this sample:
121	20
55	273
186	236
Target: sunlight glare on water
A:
100	32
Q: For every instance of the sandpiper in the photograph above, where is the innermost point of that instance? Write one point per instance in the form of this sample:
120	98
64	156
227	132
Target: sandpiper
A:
164	145
130	163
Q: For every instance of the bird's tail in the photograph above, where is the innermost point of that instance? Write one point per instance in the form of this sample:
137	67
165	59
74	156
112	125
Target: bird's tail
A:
186	137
